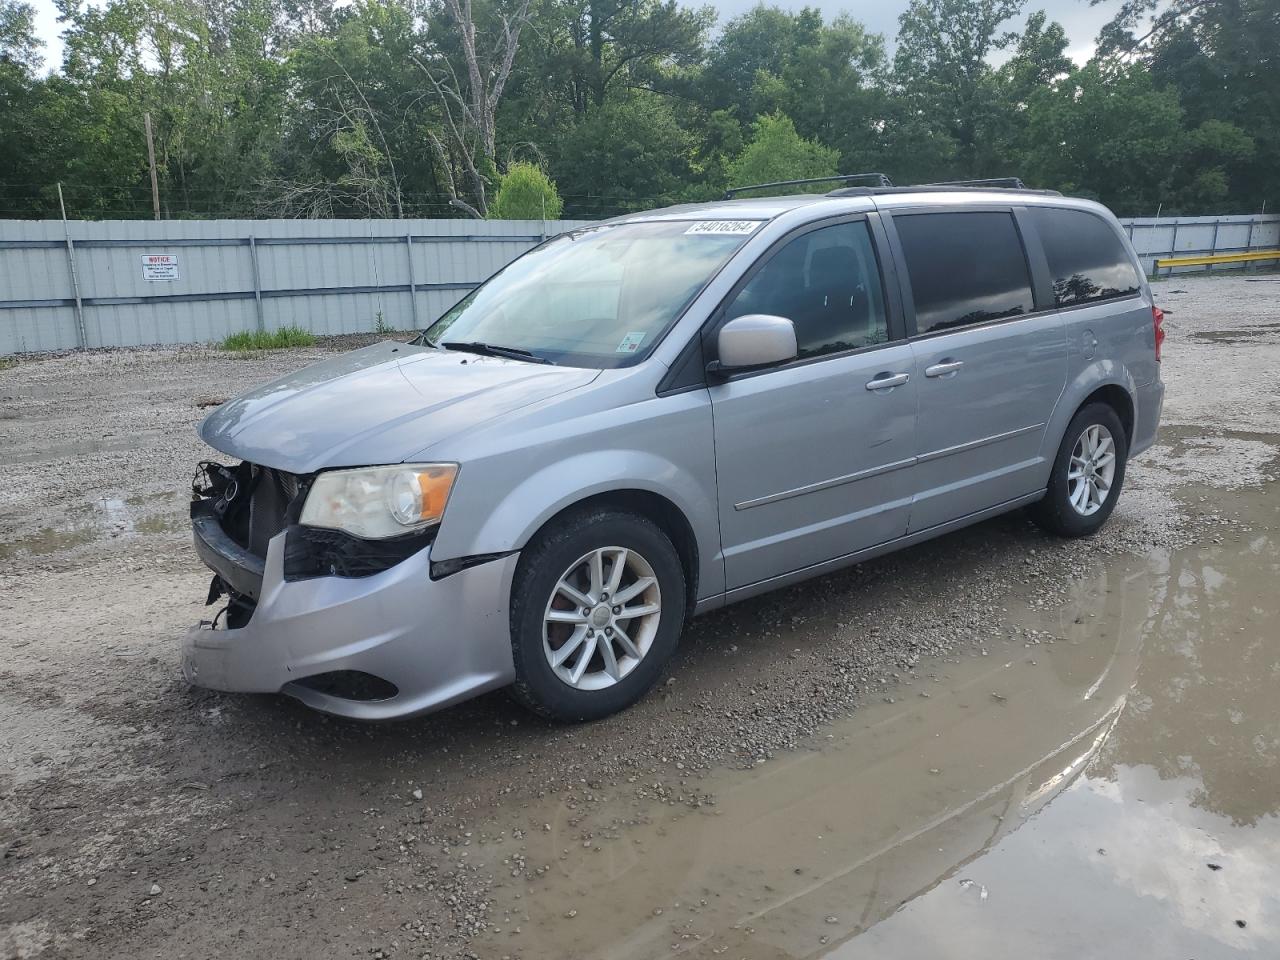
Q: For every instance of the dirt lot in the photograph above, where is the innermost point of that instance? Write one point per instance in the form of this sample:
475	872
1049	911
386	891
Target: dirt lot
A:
996	744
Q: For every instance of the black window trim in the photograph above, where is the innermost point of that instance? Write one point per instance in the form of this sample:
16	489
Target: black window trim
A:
885	263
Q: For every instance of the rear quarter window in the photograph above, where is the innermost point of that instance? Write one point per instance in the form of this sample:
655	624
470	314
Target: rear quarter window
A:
1088	262
965	268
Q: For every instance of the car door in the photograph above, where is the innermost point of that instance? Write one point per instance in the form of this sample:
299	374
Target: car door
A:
989	367
810	454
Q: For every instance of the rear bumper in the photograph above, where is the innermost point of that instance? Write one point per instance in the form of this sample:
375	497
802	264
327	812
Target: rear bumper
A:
1148	406
438	641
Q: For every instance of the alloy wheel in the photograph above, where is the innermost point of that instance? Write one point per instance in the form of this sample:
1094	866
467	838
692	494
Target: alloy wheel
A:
1091	470
602	618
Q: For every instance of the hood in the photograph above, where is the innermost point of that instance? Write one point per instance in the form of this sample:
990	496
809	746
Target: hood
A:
379	404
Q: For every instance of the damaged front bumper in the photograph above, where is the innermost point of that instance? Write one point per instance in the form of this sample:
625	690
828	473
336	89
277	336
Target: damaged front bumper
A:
431	643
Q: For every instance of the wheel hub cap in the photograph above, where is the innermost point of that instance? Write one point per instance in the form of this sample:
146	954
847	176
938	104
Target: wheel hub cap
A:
1091	470
602	618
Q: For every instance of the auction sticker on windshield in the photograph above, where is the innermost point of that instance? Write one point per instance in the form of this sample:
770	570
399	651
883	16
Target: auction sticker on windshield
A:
730	227
631	342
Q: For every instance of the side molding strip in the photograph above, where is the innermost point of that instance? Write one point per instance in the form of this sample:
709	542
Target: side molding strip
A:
974	444
826	484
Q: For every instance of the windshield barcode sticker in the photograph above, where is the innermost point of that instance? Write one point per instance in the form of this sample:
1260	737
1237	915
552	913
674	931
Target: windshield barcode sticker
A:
631	342
729	227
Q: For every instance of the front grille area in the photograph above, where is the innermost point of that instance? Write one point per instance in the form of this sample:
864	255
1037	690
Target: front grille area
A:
272	495
254	503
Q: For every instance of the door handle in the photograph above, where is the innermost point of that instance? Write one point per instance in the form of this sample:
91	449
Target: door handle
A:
943	368
888	381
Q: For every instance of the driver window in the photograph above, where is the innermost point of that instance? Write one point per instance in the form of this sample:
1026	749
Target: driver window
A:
827	283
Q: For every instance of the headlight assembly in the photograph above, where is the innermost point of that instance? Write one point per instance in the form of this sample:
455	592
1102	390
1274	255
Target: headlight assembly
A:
380	502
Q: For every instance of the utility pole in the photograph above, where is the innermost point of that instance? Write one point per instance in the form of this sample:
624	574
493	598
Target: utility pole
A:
151	159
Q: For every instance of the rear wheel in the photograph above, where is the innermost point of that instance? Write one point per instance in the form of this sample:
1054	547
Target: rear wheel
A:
1088	473
597	608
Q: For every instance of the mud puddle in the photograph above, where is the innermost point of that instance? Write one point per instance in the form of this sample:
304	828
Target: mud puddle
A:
1267	332
101	519
1103	780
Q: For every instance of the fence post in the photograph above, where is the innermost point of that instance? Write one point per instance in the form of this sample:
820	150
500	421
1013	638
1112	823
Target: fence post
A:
1248	247
1151	238
413	286
75	277
1208	267
257	282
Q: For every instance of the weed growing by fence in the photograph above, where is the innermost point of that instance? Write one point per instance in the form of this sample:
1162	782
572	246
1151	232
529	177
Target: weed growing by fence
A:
269	339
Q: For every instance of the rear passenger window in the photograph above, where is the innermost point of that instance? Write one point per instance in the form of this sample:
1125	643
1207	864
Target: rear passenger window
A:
965	268
1087	261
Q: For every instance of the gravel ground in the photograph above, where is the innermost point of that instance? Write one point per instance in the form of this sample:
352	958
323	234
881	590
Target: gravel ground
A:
141	816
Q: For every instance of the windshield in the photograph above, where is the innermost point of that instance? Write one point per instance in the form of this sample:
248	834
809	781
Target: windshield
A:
599	297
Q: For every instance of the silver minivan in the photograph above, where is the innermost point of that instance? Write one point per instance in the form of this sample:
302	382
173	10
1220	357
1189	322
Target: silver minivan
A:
655	416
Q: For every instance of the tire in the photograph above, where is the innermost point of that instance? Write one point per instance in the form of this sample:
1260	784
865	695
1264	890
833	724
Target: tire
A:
1061	511
557	562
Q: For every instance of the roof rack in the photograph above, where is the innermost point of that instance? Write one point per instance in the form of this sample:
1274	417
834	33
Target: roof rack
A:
880	181
1010	183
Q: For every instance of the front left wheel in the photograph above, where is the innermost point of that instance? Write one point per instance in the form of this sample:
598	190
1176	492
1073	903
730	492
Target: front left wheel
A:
597	607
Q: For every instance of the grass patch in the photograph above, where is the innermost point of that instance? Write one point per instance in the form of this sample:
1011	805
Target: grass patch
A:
7	362
269	339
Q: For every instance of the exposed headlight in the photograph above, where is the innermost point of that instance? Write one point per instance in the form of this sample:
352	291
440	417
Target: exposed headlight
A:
380	502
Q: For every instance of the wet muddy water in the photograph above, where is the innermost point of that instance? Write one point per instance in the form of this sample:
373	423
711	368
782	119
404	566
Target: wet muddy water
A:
1103	782
104	518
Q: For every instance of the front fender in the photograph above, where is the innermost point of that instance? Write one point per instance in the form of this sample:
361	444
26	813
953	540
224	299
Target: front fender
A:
501	502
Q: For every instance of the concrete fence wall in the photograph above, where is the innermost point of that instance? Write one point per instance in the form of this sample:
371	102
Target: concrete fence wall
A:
119	283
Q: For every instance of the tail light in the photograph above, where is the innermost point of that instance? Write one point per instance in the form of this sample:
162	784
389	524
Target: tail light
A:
1157	321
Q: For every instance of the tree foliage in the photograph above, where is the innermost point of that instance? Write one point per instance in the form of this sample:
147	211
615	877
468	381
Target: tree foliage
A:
526	193
777	152
412	107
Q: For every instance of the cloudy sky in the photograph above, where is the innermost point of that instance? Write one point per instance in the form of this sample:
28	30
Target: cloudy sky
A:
1081	20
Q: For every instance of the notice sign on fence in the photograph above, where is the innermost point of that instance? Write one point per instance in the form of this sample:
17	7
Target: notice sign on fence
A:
159	266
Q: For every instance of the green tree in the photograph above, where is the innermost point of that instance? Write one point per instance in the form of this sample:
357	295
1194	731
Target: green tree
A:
627	155
827	77
19	46
777	152
526	193
20	96
354	141
1107	131
948	96
1222	58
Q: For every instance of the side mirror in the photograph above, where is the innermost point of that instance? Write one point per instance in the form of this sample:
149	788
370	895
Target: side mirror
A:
752	341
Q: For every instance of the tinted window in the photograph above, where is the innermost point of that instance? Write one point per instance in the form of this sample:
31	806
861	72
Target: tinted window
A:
827	283
1087	261
965	268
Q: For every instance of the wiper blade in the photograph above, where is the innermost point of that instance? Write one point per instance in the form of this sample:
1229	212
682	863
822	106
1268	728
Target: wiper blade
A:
495	350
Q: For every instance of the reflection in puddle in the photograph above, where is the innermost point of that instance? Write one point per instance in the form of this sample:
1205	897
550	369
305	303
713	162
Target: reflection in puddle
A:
1062	798
103	519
